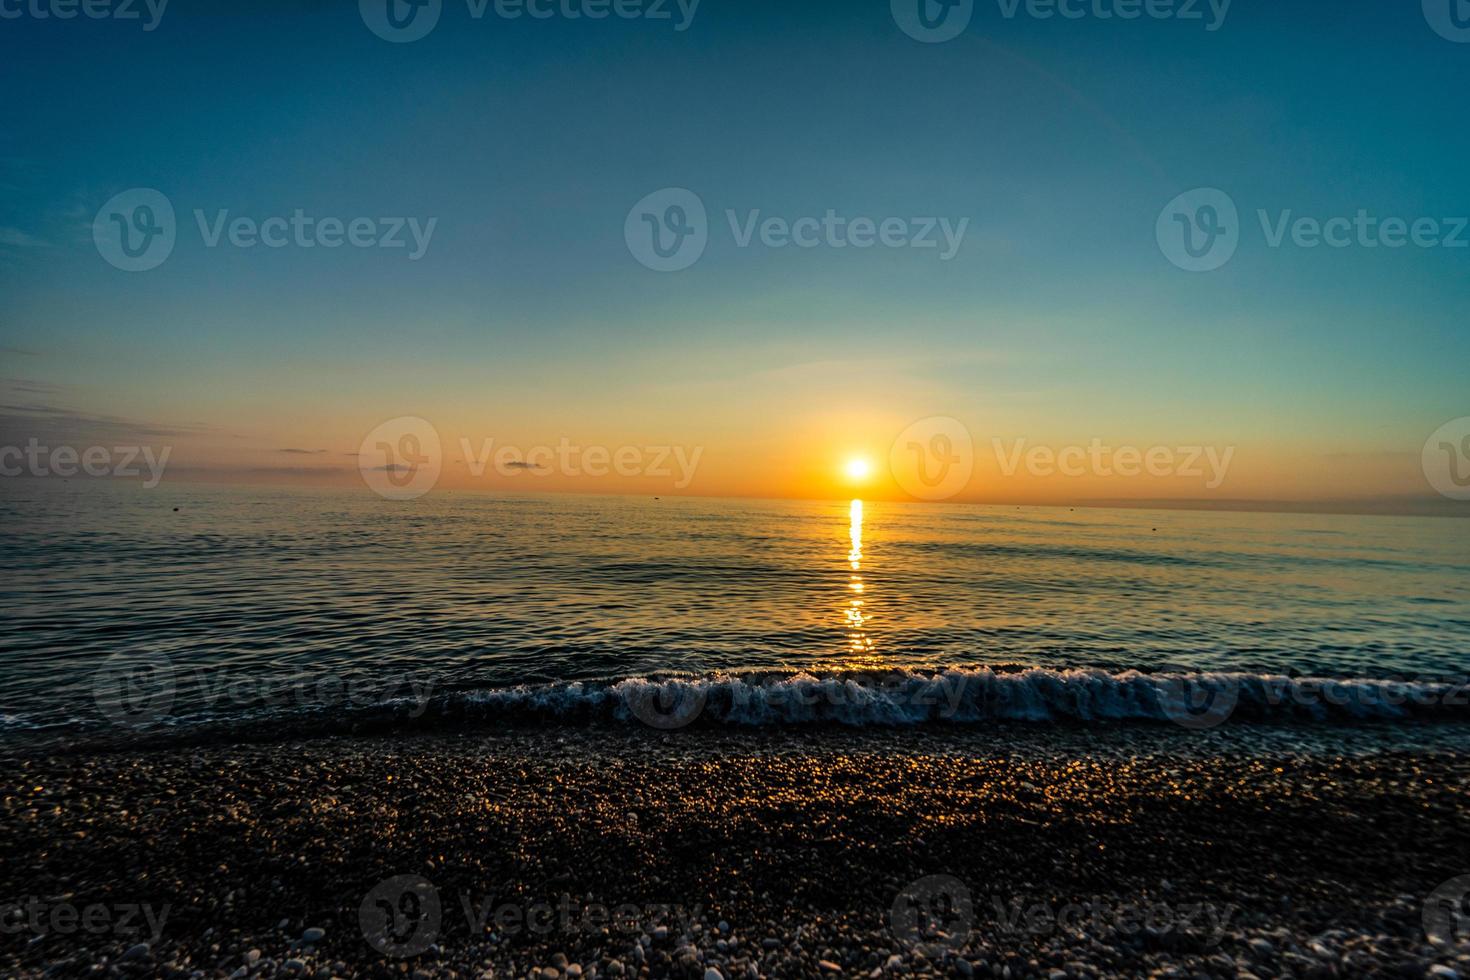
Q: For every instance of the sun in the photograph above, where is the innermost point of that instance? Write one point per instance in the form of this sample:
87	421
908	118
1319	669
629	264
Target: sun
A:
858	468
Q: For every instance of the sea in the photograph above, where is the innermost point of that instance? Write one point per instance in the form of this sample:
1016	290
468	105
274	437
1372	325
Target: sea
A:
204	611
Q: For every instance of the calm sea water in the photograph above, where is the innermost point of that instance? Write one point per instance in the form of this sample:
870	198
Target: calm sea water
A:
263	599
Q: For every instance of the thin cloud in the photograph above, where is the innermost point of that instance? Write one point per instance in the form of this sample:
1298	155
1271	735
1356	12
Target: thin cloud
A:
22	421
16	238
28	387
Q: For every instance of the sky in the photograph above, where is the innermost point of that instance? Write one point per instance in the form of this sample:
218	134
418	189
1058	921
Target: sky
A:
1033	287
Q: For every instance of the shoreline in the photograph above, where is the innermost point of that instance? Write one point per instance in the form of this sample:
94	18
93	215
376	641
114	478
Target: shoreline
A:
777	852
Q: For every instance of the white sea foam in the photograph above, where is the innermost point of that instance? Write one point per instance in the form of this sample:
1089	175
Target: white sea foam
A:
973	696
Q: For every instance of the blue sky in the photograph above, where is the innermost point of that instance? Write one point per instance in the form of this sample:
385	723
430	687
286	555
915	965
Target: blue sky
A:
529	140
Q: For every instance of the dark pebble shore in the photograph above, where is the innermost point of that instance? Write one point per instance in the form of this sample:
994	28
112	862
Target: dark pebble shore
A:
619	852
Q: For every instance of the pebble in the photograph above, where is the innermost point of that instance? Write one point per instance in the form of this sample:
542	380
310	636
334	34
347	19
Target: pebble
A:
777	871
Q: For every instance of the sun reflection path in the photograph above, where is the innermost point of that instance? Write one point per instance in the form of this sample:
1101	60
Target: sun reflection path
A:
858	641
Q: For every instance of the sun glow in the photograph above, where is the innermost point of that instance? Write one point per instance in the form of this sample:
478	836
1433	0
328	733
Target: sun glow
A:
858	468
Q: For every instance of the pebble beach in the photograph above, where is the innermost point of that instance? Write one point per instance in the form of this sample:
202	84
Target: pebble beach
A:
622	852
